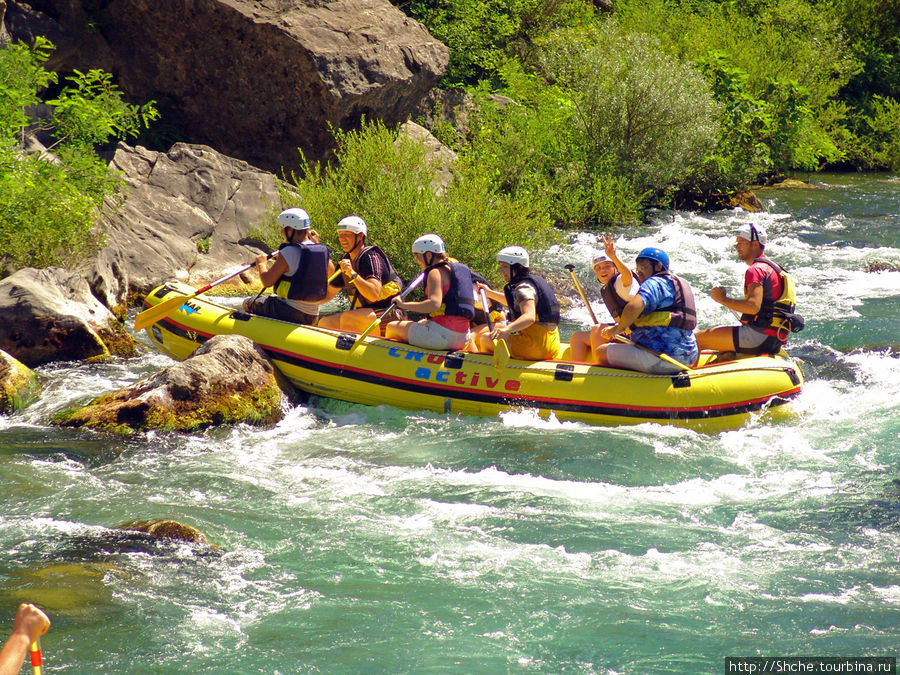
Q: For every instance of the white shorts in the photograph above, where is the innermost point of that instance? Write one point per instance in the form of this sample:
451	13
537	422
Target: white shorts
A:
635	358
432	335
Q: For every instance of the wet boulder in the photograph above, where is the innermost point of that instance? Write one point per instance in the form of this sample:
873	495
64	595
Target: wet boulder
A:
166	529
227	380
51	315
746	200
18	384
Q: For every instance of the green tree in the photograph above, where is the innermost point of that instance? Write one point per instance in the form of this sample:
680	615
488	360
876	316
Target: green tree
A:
483	34
49	202
648	113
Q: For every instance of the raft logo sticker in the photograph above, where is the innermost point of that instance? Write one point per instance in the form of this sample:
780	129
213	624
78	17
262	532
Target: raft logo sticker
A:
434	373
188	308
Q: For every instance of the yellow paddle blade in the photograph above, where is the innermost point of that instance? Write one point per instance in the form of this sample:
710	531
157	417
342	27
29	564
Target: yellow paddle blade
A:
158	312
501	354
365	332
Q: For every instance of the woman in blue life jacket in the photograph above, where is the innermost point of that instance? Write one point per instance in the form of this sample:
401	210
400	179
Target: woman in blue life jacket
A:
662	317
368	278
449	300
617	286
532	332
767	309
299	274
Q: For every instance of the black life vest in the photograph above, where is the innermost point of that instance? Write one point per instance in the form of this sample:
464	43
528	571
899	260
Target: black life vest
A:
391	283
309	283
682	313
776	314
459	300
614	302
547	307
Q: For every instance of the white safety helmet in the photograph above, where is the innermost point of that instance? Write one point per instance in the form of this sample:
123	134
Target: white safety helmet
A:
513	255
353	224
296	218
428	243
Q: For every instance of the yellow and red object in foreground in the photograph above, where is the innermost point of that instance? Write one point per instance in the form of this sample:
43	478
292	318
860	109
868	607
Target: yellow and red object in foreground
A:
37	658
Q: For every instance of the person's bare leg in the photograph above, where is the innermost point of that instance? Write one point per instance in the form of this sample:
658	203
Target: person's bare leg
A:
357	320
330	321
397	330
600	355
719	339
580	345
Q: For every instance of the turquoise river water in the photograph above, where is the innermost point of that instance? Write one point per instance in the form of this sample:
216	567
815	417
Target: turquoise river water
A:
361	539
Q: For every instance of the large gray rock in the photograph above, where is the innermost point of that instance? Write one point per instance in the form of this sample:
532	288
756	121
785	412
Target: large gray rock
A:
256	79
226	380
51	315
438	156
189	214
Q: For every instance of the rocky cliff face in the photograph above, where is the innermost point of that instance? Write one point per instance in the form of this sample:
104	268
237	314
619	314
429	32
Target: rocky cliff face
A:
255	79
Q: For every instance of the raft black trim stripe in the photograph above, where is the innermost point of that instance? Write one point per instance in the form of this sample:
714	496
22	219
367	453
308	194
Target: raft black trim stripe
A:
513	400
499	398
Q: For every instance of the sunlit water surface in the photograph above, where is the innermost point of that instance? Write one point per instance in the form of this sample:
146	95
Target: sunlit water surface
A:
366	539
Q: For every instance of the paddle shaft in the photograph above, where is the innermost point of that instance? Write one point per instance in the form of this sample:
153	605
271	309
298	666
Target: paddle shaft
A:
501	353
37	657
412	284
584	299
662	355
163	309
487	309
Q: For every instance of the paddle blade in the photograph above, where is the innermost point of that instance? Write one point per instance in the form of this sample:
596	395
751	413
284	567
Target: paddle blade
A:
158	312
363	335
501	354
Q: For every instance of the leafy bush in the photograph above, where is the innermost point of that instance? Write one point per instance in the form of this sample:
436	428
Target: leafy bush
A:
653	117
385	180
483	34
775	66
49	203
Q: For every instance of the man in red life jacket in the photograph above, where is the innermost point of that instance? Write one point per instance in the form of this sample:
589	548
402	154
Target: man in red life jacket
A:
767	308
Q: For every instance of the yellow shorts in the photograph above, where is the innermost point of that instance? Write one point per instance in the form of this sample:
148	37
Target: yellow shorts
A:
535	343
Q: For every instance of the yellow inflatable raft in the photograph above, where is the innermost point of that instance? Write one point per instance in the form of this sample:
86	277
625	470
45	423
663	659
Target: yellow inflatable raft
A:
714	396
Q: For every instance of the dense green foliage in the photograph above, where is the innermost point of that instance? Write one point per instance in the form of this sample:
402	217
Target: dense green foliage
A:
49	202
482	34
721	94
385	179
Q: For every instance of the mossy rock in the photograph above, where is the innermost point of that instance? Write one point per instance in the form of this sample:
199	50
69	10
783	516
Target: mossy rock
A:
228	380
19	384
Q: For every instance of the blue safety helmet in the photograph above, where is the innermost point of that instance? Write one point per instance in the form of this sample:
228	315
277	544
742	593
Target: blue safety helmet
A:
656	255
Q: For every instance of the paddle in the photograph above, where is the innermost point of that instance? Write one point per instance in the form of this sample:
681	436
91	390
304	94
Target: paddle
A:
412	284
37	657
501	348
571	269
662	355
158	312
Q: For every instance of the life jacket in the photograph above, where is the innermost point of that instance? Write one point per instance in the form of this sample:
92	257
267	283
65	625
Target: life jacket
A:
614	302
682	313
459	300
391	283
776	315
547	307
309	282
